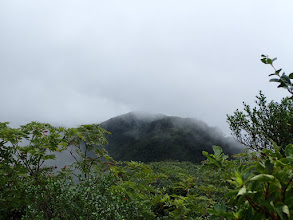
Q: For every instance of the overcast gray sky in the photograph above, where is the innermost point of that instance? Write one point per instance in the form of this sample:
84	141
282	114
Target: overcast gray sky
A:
75	62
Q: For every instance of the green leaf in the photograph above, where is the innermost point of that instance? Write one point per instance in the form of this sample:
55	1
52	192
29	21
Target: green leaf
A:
238	178
291	76
206	154
242	191
286	210
285	79
217	150
274	80
282	85
289	150
278	71
264	60
269	61
262	178
214	161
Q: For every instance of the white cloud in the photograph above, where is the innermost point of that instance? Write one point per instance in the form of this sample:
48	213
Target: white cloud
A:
86	61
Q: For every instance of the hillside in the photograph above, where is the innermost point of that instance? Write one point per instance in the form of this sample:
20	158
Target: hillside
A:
147	137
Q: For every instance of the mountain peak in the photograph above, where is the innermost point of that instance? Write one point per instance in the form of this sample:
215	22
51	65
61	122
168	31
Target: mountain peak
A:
139	115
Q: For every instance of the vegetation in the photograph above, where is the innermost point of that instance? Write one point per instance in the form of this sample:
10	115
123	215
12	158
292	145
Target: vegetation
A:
283	79
249	185
261	184
103	189
255	128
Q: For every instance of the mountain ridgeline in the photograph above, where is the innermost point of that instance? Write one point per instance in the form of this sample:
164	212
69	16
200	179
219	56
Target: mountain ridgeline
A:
148	138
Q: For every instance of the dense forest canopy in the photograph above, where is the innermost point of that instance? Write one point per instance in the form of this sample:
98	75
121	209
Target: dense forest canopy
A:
147	137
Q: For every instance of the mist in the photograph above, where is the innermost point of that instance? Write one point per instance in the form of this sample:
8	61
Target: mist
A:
82	62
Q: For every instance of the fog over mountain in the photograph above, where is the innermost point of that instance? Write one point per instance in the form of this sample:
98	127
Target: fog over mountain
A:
154	137
80	62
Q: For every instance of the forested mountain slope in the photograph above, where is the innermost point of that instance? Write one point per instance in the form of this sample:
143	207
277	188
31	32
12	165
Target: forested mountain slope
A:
147	137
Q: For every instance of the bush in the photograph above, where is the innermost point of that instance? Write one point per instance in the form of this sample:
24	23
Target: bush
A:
261	186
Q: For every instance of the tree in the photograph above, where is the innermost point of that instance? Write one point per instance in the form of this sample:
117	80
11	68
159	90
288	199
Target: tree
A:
23	152
256	127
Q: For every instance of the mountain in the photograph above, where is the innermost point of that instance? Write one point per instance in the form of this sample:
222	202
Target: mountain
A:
147	137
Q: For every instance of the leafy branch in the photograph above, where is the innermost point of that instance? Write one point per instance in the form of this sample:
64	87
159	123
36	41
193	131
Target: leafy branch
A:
283	79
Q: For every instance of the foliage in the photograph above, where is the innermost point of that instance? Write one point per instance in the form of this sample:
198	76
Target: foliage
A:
95	186
103	188
258	185
92	198
270	121
256	126
262	187
261	182
217	159
23	152
283	79
189	189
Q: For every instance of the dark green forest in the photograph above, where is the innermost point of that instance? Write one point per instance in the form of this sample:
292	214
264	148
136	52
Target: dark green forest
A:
149	138
195	178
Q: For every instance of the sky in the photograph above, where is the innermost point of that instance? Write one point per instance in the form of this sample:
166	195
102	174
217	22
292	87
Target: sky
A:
78	62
